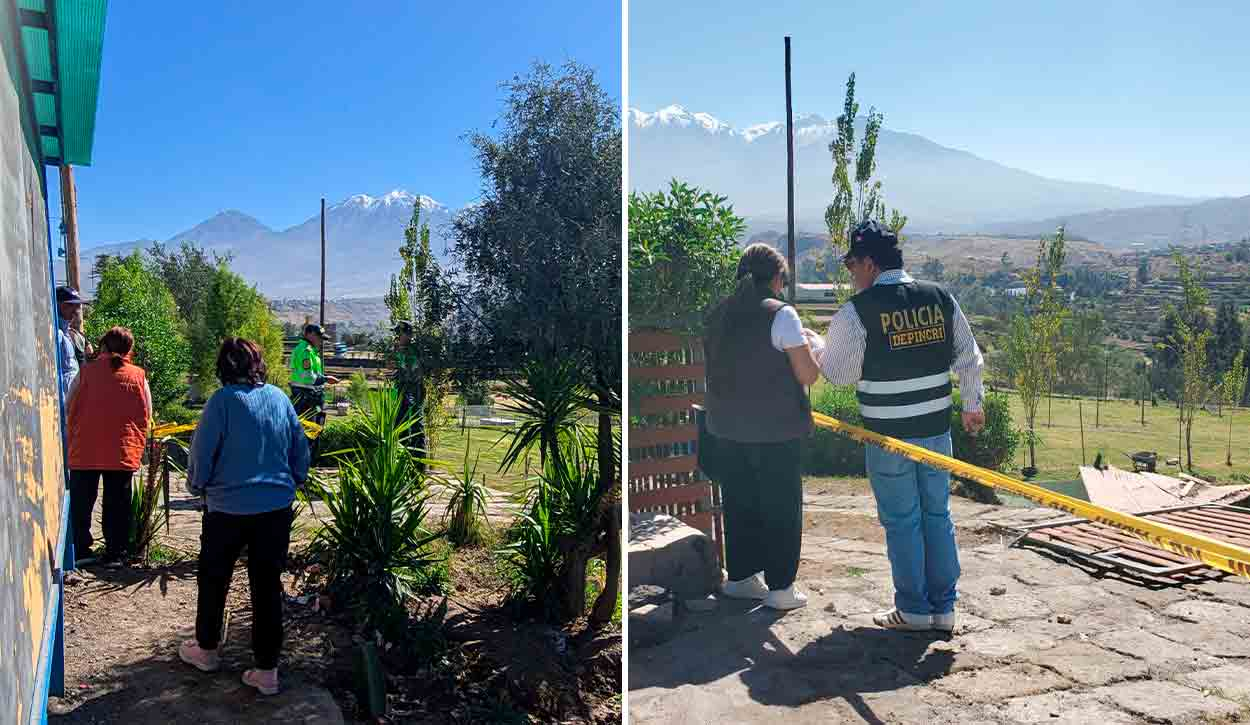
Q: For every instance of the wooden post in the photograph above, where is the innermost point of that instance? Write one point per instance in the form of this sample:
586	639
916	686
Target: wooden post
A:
790	248
1080	414
69	217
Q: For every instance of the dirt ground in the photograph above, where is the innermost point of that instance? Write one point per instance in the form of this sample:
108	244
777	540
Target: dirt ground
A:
1040	639
123	628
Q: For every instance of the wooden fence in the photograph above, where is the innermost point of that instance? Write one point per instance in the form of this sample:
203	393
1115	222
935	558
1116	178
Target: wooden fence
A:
666	379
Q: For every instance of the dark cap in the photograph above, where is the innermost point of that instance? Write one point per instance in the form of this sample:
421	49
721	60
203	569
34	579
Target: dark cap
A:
403	327
313	327
67	296
870	236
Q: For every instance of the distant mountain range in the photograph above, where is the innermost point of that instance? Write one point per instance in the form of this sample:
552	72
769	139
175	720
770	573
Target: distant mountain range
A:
940	189
1217	220
363	235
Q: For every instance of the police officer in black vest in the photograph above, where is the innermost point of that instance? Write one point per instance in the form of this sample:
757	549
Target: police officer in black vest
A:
897	340
759	362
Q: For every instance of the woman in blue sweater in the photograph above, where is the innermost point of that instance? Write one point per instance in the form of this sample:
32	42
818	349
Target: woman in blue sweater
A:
248	456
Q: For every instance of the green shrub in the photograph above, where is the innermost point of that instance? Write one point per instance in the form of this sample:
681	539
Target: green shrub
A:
339	434
378	550
177	413
473	391
826	453
358	390
466	508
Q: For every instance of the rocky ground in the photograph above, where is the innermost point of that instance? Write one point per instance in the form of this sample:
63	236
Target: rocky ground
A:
1040	640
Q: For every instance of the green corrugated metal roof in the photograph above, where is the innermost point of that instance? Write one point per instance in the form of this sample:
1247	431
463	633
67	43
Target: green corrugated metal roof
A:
79	40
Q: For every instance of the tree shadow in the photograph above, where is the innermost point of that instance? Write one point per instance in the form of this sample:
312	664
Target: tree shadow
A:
846	663
104	579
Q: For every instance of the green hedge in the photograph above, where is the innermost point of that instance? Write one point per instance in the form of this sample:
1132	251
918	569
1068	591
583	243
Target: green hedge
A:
826	453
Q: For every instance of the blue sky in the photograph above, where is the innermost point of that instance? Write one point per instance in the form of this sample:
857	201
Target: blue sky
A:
1143	95
266	107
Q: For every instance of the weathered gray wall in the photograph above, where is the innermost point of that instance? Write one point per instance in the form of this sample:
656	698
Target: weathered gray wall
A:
31	475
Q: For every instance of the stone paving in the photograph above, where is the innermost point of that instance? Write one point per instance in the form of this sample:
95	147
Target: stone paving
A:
1040	640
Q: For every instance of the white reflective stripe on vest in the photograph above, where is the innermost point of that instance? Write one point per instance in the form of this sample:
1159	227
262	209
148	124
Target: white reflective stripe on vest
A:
892	412
910	385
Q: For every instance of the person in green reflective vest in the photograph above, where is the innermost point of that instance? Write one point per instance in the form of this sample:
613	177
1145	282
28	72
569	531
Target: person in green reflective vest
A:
409	383
308	378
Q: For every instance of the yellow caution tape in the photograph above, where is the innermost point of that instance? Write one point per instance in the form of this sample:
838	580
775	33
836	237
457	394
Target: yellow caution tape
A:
1212	552
172	429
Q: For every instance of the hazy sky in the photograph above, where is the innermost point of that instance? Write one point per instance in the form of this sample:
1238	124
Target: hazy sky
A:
268	106
1144	95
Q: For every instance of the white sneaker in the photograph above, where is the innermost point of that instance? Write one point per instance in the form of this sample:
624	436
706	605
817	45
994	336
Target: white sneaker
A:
753	587
786	599
903	621
944	622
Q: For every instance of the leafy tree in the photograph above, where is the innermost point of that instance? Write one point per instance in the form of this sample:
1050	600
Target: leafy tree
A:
683	253
1232	388
1033	343
131	295
1143	272
236	309
857	195
541	253
1190	343
1226	340
189	274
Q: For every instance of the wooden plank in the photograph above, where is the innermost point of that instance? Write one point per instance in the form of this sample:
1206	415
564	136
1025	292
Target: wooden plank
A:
668	372
667	404
703	521
640	437
661	466
690	493
655	341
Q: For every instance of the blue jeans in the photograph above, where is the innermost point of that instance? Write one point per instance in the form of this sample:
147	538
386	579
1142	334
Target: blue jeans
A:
913	504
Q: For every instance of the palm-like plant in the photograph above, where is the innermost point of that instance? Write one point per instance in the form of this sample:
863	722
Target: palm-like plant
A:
376	542
466	508
549	397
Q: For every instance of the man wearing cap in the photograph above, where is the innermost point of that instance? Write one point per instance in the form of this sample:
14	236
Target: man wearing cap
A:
69	305
897	340
308	378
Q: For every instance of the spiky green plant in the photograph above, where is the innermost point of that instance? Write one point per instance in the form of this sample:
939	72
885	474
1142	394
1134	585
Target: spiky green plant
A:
549	398
376	543
466	507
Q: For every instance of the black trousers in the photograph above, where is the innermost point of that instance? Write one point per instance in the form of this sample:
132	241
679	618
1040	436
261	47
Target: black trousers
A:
267	537
762	495
84	487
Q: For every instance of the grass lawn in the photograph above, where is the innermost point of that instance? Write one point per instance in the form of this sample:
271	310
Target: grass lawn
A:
1121	431
487	446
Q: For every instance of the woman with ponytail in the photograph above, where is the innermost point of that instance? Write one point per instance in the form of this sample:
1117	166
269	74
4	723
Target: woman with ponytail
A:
110	409
760	360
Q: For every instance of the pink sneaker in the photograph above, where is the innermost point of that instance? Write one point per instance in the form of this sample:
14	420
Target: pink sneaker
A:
265	681
204	660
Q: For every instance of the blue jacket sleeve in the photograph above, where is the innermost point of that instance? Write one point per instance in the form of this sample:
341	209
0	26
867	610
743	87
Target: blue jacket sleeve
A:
300	457
205	446
69	363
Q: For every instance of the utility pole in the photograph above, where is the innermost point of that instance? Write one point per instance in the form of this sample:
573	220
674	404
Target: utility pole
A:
69	217
790	252
322	318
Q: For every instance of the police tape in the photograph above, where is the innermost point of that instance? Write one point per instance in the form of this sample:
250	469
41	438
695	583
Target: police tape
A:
1212	552
172	429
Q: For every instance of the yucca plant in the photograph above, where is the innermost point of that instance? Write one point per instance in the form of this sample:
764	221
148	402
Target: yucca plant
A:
551	544
147	515
548	397
376	543
466	507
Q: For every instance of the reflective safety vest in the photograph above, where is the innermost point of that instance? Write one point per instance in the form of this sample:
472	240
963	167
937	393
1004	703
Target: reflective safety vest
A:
306	370
905	387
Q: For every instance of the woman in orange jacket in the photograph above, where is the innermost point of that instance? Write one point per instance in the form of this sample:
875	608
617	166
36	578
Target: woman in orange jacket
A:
110	409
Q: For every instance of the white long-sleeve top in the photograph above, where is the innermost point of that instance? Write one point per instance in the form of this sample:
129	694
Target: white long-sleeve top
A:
842	358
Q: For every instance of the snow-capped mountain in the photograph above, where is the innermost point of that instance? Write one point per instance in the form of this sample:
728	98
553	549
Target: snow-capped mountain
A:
363	234
938	188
